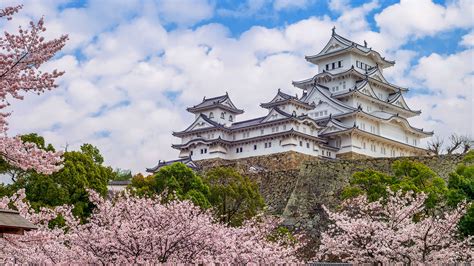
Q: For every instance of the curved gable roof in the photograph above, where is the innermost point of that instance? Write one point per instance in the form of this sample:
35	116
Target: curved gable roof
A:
222	101
347	45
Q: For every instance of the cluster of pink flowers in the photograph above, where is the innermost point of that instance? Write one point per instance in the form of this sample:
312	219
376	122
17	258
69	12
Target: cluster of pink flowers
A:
139	230
21	56
395	230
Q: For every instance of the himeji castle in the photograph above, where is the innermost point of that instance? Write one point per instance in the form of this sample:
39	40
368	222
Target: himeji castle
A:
347	110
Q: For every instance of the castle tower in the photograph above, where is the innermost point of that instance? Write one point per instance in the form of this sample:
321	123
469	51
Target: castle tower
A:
350	87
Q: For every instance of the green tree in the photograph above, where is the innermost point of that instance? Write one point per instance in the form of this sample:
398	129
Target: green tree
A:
122	175
93	152
177	181
461	188
407	176
81	170
235	197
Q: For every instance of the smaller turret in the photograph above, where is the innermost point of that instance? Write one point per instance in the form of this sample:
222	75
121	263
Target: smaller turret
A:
219	109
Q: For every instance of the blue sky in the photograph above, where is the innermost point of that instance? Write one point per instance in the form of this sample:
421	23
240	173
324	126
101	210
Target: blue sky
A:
133	66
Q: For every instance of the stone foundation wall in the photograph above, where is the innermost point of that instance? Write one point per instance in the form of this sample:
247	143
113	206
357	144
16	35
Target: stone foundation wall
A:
276	174
296	186
320	183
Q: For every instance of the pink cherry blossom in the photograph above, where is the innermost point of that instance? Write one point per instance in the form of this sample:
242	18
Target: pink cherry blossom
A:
21	56
397	230
140	230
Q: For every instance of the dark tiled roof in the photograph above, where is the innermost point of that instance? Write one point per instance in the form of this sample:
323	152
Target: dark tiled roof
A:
285	99
119	182
350	45
231	142
187	161
387	117
215	102
353	71
373	135
13	220
247	123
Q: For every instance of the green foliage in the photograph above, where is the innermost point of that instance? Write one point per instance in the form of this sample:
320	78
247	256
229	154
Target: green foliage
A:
122	175
461	188
92	152
38	140
81	170
235	197
408	176
284	236
177	180
369	182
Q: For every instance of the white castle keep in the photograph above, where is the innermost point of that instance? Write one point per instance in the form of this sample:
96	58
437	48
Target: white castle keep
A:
347	110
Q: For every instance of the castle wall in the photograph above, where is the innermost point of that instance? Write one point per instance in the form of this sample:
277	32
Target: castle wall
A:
296	186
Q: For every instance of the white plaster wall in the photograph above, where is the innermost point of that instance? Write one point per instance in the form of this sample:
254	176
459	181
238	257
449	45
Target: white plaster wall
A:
346	63
356	57
217	116
393	131
316	112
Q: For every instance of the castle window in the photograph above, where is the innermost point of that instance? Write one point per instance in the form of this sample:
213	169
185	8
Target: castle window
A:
339	64
266	145
307	145
203	151
238	150
284	127
222	115
211	115
333	65
372	129
363	145
406	139
327	66
262	131
191	153
301	143
255	147
231	119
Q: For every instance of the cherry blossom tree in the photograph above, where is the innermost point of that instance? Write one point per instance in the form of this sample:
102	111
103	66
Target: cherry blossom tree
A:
394	231
21	56
141	230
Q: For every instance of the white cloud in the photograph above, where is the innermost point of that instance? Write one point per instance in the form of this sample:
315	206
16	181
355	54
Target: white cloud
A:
421	18
291	4
185	12
468	39
115	95
246	9
447	108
